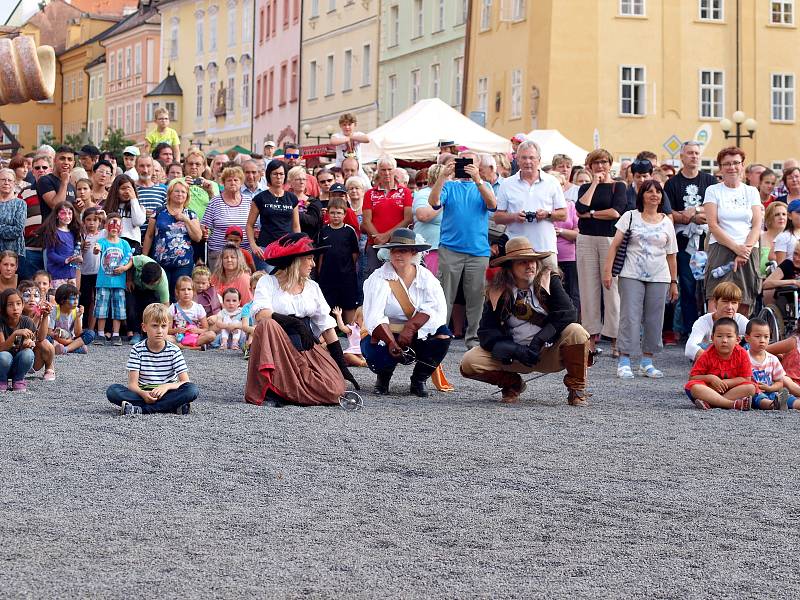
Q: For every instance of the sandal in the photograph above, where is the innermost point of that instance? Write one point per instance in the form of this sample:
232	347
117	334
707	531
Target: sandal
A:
742	403
701	404
650	371
614	351
625	372
49	375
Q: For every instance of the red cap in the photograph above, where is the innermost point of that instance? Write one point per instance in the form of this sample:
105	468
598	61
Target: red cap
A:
234	229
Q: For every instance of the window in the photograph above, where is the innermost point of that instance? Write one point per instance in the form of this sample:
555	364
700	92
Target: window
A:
711	10
516	93
707	165
247	20
212	97
417	17
293	83
436	75
314	9
462	12
257	97
198	33
137	116
312	80
229	104
274	23
128	62
137	59
231	26
91	88
44	133
712	94
119	64
366	65
347	71
331	5
172	110
112	70
415	83
212	33
245	92
392	95
119	118
128	113
519	10
286	14
65	89
782	97
329	75
483	95
100	131
440	16
458	74
268	21
112	116
394	25
283	84
270	88
90	132
14	129
173	39
631	8
631	90
486	15
297	11
100	85
74	88
150	107
199	101
782	13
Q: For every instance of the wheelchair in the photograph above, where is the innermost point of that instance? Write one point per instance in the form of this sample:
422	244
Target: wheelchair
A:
782	313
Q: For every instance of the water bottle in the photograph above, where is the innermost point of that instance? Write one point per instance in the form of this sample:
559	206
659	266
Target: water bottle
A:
76	253
723	270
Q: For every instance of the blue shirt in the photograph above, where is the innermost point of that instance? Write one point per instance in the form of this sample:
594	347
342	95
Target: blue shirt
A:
112	255
429	230
465	219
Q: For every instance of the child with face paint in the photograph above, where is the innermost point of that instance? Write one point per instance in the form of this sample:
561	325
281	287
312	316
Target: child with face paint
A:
61	233
36	307
92	231
115	258
65	328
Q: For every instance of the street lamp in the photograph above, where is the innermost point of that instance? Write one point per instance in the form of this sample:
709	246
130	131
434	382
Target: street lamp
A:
307	131
201	143
738	119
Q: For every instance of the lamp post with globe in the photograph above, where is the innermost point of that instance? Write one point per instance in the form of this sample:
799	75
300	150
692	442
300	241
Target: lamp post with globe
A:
738	120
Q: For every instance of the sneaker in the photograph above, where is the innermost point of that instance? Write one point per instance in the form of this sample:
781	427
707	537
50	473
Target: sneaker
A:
100	340
701	404
625	372
3	386
126	408
184	409
670	338
650	371
742	403
20	386
116	340
247	353
49	375
137	337
782	402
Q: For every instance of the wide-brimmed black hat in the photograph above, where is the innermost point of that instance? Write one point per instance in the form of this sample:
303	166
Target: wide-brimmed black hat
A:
282	252
403	238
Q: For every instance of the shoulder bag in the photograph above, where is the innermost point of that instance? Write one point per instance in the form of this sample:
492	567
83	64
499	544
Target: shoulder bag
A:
622	250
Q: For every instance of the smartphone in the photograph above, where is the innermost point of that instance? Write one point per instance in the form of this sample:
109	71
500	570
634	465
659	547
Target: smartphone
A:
461	164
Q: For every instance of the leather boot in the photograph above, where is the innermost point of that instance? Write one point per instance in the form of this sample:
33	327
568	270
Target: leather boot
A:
337	355
575	359
511	384
382	382
430	352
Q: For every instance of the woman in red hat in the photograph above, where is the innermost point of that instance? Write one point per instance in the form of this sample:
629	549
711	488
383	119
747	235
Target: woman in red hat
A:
287	365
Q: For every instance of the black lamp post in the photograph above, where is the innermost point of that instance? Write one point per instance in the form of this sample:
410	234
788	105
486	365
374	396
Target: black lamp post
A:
738	120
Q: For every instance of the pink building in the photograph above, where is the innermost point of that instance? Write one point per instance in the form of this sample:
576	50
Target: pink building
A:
133	69
276	93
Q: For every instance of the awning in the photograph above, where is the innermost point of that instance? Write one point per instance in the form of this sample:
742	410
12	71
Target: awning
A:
239	150
318	150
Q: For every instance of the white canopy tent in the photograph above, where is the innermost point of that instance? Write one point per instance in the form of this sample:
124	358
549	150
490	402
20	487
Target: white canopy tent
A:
552	142
415	133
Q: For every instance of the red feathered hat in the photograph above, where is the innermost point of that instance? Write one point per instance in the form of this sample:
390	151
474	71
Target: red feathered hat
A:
282	252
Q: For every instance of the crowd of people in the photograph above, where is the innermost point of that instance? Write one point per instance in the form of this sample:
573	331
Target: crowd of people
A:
533	265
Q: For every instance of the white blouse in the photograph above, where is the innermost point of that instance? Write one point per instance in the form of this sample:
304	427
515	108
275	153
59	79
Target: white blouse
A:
308	303
425	293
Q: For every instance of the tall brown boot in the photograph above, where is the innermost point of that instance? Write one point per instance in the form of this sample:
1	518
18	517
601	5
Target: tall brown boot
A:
575	359
510	383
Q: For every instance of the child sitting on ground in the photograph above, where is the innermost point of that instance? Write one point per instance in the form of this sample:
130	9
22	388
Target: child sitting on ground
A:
43	281
17	340
727	296
247	322
65	328
768	374
352	354
158	379
189	325
721	377
788	351
229	322
38	310
234	236
205	294
232	272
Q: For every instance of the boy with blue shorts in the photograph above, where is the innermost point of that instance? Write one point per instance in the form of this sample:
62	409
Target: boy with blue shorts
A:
768	373
115	258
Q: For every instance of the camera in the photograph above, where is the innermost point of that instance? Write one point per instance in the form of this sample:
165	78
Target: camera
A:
18	339
530	216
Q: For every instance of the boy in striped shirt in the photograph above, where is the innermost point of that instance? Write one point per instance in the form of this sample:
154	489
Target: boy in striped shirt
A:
158	379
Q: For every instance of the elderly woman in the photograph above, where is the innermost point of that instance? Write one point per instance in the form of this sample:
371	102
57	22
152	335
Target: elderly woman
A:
528	324
600	204
13	213
309	209
230	208
735	216
404	307
19	164
287	364
170	233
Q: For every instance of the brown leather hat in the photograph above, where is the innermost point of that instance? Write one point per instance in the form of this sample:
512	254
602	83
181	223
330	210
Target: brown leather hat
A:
519	248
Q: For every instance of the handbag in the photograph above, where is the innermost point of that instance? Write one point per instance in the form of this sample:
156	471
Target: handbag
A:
622	250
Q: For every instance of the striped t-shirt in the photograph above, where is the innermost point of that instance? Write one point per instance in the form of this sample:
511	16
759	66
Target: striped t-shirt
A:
151	198
156	368
219	216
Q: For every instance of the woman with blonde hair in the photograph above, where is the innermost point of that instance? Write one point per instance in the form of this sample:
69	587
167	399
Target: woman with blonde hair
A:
232	272
309	208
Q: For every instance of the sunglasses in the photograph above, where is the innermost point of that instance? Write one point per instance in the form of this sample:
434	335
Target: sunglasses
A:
326	180
41	168
287	155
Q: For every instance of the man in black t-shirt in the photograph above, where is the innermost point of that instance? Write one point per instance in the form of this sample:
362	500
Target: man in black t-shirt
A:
686	191
55	187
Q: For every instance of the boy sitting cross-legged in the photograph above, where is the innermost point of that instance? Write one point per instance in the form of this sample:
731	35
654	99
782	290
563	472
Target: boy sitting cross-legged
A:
721	377
158	379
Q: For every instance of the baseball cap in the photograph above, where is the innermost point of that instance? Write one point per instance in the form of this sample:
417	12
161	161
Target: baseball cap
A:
794	206
446	142
270	143
234	229
338	188
132	150
88	150
519	137
641	166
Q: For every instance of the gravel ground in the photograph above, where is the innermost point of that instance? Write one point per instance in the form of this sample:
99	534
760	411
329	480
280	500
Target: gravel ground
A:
453	496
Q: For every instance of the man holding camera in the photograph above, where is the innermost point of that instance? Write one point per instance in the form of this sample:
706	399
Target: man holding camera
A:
466	201
530	201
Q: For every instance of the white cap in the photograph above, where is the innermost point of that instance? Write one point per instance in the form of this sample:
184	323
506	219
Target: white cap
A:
270	143
131	150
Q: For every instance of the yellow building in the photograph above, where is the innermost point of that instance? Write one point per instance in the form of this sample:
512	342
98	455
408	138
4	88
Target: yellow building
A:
340	65
209	47
638	72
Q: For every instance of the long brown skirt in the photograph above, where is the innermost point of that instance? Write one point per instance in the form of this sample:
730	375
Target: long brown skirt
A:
305	378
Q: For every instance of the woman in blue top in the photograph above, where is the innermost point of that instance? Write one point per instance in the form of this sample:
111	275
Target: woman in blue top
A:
173	229
427	220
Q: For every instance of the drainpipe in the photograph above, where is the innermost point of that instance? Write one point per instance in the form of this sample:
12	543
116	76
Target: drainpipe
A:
465	74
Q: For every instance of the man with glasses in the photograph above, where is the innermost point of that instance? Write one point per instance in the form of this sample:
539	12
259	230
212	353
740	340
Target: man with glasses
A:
33	260
291	158
530	201
686	191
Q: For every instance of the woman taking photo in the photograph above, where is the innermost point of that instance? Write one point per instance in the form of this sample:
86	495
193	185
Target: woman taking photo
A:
170	233
735	215
600	204
201	190
287	364
309	209
13	212
648	278
404	307
228	209
278	212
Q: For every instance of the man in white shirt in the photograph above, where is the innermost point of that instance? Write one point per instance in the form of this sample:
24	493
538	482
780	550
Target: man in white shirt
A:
530	201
